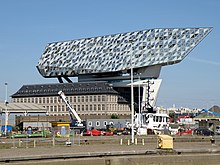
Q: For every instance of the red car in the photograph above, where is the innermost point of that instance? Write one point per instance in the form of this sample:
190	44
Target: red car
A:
185	132
93	132
106	133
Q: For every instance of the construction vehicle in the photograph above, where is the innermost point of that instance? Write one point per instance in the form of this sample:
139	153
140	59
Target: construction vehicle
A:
76	123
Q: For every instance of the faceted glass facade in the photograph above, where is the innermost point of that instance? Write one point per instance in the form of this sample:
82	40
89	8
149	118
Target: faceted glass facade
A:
113	53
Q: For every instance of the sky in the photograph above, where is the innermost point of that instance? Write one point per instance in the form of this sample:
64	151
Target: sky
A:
27	26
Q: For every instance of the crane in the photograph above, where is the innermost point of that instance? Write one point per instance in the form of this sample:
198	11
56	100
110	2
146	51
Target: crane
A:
71	110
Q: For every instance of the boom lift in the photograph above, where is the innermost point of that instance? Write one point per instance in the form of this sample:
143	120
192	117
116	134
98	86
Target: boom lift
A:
72	112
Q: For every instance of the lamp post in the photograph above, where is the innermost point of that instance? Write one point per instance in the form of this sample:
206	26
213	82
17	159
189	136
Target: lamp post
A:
139	100
132	99
6	108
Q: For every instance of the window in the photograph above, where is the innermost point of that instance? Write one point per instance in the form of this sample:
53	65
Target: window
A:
59	108
90	98
90	123
99	98
90	107
97	123
74	99
94	98
82	107
103	107
78	108
59	101
160	119
51	100
78	99
111	123
82	98
51	109
105	123
103	98
63	108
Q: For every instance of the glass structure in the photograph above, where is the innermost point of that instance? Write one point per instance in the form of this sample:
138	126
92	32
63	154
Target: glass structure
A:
115	54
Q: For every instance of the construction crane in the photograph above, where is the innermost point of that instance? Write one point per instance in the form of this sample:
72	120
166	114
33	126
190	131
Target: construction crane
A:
72	112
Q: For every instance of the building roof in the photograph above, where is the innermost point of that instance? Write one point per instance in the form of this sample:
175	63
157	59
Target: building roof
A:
80	88
23	107
112	53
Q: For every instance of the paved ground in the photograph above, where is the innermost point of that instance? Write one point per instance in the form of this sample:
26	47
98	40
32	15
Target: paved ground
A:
114	146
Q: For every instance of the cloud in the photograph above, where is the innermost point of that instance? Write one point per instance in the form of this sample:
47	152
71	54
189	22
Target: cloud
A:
204	61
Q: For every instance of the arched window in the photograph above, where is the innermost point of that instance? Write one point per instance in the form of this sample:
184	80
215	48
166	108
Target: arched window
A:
97	123
105	123
90	124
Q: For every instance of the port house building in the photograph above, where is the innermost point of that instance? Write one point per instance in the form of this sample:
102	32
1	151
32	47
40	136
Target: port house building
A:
109	57
115	59
104	66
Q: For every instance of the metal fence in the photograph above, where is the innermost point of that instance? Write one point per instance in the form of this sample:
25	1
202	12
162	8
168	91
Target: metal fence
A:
40	142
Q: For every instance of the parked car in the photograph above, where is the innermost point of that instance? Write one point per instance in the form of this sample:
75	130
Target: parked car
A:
184	132
106	133
93	132
121	132
204	132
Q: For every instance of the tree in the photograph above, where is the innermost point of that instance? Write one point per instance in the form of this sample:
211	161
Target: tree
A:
114	116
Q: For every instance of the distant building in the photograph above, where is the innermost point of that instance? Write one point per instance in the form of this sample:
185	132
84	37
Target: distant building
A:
20	109
88	99
207	120
104	123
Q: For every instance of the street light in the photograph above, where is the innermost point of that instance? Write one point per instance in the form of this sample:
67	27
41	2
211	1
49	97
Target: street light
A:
139	102
6	108
132	99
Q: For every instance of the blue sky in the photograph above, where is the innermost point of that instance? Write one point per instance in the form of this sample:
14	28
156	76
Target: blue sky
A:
27	26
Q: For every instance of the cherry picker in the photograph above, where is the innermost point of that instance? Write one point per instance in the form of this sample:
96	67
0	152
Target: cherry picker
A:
78	123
